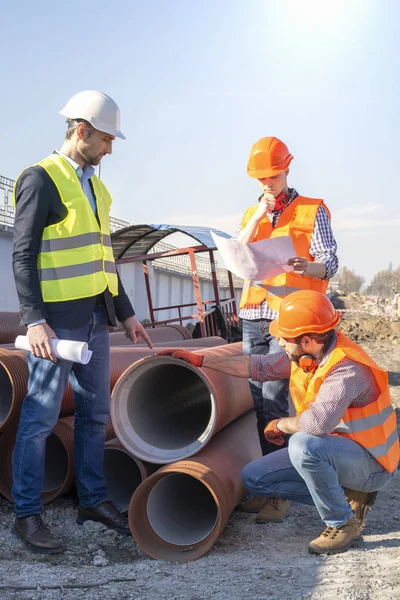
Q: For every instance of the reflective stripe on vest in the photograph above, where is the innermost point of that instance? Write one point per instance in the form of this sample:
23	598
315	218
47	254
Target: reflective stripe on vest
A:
96	266
76	258
372	426
296	221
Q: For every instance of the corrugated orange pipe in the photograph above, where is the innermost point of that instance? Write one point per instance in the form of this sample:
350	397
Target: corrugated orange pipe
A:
13	384
179	512
10	327
163	409
59	460
123	472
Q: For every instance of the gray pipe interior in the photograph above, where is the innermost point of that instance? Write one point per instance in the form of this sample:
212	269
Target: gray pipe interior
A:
122	475
169	406
55	465
5	394
181	510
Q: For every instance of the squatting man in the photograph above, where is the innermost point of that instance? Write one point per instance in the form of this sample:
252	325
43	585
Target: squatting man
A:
343	444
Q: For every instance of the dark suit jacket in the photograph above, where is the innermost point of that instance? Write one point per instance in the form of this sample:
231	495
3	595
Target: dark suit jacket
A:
38	204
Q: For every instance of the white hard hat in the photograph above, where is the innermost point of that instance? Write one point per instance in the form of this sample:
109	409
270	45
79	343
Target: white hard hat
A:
98	109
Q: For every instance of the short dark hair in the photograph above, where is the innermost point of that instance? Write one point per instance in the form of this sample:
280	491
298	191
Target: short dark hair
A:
321	338
73	124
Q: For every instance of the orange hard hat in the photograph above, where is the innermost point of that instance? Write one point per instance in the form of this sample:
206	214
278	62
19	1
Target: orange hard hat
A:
302	312
268	157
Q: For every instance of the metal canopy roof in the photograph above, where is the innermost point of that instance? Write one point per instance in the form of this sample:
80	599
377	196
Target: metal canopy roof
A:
138	239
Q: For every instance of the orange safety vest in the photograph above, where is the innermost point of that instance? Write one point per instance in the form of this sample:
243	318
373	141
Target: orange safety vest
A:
297	221
372	426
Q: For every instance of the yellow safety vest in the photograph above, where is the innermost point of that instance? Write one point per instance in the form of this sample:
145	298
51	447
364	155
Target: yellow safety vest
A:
372	426
296	221
76	258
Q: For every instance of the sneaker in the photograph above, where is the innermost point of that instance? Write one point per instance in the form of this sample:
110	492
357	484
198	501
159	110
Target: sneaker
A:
334	540
361	503
253	505
273	511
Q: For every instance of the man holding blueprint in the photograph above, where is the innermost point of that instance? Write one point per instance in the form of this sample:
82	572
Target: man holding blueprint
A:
68	288
280	211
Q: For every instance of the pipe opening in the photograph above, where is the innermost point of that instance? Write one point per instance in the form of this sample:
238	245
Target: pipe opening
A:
55	464
169	406
181	510
123	476
5	394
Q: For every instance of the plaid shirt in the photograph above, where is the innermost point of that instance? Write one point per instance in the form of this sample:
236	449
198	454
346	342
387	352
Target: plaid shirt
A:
347	384
322	248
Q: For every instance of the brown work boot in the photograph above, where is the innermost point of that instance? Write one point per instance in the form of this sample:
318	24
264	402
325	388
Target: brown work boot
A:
361	503
273	511
108	514
35	535
253	505
334	540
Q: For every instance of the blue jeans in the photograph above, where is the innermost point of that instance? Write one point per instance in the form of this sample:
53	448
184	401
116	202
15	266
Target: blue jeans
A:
270	397
40	410
314	470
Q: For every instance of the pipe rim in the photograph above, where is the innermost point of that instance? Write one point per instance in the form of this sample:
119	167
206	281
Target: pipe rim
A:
149	540
129	437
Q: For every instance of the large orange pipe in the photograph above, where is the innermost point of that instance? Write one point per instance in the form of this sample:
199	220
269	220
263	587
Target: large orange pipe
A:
14	375
13	384
179	512
10	327
121	357
163	409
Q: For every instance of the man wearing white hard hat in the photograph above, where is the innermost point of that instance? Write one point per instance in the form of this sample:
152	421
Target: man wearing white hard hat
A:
68	288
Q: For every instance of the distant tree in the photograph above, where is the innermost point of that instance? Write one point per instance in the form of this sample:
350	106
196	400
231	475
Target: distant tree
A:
349	281
385	284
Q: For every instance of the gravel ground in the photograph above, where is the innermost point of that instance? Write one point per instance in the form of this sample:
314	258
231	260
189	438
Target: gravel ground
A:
249	561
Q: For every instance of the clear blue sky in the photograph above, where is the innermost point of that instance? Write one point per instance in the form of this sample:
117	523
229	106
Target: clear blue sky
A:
198	81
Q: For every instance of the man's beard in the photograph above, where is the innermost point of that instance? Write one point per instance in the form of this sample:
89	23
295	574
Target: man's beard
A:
294	356
90	159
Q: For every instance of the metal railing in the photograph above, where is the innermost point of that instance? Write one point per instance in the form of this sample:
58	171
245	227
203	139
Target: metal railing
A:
7	210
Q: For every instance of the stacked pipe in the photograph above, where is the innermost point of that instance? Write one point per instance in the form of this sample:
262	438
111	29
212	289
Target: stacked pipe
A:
59	459
59	451
179	512
165	411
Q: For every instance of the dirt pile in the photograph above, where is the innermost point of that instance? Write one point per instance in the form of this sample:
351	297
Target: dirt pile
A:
370	329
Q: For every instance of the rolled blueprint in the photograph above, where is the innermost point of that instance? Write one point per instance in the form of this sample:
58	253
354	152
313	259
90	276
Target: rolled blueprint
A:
65	349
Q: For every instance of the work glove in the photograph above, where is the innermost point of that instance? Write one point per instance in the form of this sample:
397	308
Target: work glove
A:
273	434
193	359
